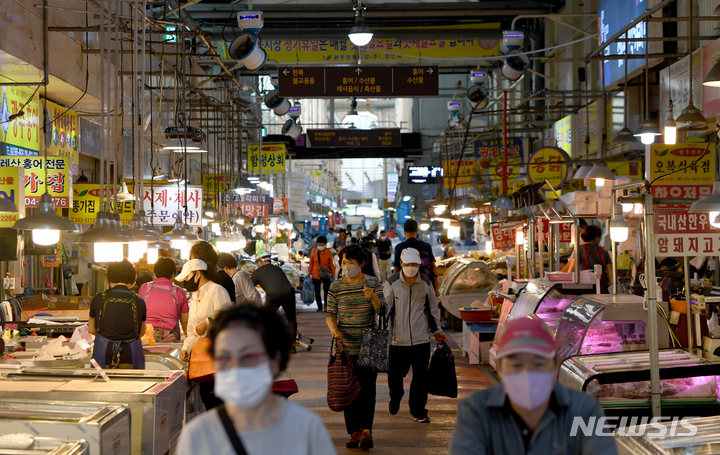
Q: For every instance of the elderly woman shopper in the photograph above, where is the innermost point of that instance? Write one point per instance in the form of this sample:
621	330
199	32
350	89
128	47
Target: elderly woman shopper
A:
352	304
250	347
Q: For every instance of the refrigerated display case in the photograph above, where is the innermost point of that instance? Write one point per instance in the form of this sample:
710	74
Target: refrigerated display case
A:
466	281
621	381
667	438
105	427
605	323
156	398
545	299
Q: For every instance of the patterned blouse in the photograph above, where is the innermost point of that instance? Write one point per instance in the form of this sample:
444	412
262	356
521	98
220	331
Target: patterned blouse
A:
347	303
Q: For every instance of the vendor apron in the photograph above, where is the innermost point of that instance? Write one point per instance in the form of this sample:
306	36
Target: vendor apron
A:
597	251
101	347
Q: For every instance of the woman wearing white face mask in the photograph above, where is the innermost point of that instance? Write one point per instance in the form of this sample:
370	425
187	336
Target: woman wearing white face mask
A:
529	413
321	268
251	346
352	304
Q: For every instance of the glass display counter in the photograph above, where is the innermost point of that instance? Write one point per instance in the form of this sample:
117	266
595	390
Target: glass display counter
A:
466	281
666	438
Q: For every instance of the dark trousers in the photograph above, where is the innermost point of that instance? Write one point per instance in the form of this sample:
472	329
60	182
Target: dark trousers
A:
401	359
288	305
360	415
326	288
207	394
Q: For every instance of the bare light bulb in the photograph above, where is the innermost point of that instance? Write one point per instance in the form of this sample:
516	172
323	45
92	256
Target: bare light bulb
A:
108	252
45	236
152	255
488	246
647	138
599	182
520	238
670	134
627	208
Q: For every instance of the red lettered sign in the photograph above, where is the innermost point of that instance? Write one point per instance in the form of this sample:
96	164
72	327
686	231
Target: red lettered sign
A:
502	238
679	233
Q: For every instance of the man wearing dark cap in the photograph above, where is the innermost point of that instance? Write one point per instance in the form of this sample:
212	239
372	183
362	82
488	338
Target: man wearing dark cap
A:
530	413
427	267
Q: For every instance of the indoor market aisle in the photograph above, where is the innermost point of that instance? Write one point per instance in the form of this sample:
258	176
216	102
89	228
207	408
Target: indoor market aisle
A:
398	434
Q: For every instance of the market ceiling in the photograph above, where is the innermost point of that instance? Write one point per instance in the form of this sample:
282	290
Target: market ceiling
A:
332	19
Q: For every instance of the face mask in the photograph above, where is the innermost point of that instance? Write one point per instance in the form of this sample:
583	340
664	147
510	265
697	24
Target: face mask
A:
410	271
244	387
191	285
530	389
382	237
321	248
351	270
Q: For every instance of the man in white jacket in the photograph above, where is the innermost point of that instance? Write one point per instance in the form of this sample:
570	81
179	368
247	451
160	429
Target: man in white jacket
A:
413	315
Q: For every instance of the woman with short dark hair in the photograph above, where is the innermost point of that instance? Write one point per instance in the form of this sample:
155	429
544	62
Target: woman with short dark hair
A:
352	304
251	347
206	253
117	319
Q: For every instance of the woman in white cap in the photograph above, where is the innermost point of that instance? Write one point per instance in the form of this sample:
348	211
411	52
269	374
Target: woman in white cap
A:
208	299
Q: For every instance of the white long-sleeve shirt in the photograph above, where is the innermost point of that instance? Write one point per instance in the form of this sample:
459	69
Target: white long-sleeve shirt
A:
206	303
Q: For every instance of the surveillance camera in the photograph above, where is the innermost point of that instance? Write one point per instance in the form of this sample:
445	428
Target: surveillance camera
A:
478	95
295	111
274	80
250	21
292	129
281	106
453	106
515	65
478	77
512	40
246	49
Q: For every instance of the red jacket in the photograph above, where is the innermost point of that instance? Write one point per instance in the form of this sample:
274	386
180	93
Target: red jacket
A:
326	260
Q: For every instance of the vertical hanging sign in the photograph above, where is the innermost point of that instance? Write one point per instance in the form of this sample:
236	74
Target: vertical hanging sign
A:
19	136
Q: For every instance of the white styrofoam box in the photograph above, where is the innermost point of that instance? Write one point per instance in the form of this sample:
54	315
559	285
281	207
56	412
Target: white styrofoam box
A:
580	196
584	208
605	190
604	207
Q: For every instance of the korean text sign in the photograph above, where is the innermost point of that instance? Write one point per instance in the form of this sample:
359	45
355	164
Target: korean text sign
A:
548	163
679	233
271	160
52	172
694	182
11	188
255	205
503	239
166	204
86	204
65	131
19	137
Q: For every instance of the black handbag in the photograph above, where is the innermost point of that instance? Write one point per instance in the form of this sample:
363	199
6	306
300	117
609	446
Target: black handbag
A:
442	370
374	348
325	274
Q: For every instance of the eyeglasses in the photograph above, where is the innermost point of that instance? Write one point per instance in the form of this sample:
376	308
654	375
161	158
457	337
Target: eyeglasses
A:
226	361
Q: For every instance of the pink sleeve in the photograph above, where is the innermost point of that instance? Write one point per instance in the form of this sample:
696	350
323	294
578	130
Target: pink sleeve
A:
183	301
143	291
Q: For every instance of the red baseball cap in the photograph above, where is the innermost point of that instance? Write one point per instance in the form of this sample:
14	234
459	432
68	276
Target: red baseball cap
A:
527	336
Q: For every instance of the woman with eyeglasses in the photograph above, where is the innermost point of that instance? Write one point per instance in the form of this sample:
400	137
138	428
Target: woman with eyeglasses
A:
251	347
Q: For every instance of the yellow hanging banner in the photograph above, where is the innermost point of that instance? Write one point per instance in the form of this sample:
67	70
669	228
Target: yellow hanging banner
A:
19	137
52	172
86	204
12	189
63	128
213	183
270	161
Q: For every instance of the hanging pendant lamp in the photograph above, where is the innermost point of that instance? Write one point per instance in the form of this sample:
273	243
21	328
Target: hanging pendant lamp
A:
45	223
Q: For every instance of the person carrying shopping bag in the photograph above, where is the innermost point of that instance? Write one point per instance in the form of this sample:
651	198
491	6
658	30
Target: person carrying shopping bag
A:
353	302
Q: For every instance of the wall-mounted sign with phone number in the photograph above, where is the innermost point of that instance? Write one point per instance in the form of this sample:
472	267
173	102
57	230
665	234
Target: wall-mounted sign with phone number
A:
51	175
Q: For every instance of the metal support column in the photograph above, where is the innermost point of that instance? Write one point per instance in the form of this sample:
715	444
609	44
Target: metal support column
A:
651	296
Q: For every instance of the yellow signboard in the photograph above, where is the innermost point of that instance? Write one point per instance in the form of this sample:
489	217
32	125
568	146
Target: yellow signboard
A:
671	160
630	169
11	189
563	134
270	161
86	204
464	174
63	138
19	137
497	168
214	182
379	50
52	173
548	163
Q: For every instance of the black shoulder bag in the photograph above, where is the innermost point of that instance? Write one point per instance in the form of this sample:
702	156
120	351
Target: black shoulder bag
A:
230	430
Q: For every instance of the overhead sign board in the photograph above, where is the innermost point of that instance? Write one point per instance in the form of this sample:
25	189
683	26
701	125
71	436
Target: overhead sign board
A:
548	163
19	136
86	204
685	178
613	16
351	137
271	160
347	81
424	174
679	233
43	175
165	204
